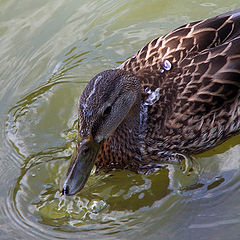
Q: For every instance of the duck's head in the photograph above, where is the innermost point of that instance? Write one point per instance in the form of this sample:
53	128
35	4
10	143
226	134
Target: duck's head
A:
105	103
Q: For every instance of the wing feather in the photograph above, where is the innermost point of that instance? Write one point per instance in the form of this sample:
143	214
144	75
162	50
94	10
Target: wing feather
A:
201	90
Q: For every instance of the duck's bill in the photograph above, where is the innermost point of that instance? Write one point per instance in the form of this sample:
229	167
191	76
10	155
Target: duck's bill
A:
81	166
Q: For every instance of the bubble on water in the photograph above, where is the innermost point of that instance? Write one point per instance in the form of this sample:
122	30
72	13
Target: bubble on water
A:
97	206
141	196
167	65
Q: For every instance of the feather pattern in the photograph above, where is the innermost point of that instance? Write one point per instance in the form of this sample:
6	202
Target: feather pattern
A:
178	95
199	95
189	96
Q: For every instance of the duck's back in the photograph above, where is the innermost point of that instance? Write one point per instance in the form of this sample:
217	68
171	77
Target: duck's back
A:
196	72
184	41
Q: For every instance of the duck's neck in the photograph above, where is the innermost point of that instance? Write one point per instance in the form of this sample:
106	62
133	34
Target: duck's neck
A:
122	149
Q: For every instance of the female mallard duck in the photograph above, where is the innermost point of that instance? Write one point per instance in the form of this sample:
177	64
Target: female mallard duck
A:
179	94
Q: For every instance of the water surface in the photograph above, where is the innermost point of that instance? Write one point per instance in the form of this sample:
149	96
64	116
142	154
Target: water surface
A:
49	50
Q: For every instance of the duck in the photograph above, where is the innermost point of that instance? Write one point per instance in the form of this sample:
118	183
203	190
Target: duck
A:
179	95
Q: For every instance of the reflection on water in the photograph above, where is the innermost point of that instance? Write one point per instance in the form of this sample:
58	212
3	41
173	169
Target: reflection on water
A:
99	202
48	53
103	201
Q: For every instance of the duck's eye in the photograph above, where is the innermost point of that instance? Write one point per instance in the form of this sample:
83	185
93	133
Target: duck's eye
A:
85	150
107	110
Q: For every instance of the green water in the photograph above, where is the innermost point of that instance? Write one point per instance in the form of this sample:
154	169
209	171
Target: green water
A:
49	50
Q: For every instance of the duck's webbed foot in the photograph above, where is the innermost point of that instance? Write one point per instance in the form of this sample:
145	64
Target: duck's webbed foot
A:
161	160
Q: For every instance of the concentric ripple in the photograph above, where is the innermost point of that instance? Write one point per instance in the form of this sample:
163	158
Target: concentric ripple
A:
110	203
49	51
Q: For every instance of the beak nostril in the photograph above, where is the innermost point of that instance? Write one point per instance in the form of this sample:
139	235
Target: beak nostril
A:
65	190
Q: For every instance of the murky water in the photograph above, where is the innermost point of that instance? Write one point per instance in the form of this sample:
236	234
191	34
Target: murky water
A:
48	52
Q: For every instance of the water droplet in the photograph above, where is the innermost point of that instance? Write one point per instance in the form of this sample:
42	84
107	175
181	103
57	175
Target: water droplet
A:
97	206
141	196
153	97
148	90
89	113
167	65
161	70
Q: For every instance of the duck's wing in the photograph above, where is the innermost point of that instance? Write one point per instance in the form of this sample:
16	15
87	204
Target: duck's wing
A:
201	102
198	103
184	41
209	81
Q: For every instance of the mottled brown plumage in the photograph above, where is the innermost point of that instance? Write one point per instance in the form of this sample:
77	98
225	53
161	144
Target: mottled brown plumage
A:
178	94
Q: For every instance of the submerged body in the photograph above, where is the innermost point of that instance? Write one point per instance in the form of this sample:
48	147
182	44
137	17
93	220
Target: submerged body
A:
179	94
